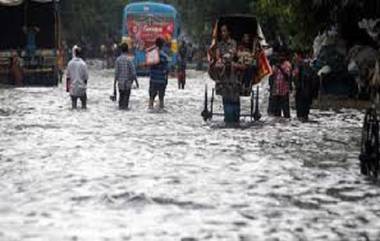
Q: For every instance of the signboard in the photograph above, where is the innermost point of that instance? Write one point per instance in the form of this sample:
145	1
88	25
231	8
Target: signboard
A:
145	29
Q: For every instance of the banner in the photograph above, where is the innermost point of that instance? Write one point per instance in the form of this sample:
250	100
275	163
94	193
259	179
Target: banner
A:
145	29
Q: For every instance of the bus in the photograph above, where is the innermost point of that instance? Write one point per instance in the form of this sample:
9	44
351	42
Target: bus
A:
143	23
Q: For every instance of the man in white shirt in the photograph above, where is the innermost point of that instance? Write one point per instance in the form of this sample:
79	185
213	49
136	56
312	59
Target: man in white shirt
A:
77	76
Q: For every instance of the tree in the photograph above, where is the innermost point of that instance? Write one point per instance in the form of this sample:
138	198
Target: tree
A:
91	20
297	21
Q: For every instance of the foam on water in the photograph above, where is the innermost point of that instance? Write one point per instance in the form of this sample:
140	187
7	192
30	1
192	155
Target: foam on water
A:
105	174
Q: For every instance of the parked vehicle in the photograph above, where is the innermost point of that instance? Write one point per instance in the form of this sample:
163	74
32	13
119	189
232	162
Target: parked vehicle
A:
29	42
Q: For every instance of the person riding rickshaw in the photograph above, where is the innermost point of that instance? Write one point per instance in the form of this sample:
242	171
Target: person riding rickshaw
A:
234	67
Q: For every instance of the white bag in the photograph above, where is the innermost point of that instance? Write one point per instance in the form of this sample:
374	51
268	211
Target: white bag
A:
152	56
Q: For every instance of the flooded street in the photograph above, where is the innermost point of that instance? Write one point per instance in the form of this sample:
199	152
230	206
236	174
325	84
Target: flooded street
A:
103	174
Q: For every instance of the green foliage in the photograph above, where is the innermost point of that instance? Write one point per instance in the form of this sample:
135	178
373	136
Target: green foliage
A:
91	20
295	20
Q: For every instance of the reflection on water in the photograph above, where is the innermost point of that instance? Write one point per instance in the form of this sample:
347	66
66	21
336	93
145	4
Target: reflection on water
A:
103	174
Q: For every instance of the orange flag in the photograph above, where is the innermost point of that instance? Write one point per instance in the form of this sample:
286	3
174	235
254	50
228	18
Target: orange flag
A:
263	67
211	51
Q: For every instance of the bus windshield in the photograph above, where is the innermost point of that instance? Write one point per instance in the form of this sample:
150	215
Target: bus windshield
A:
143	23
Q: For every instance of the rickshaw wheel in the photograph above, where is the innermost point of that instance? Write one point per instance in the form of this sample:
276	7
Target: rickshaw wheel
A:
369	157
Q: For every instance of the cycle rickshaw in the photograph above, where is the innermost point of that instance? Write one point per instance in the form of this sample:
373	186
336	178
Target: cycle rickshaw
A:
253	62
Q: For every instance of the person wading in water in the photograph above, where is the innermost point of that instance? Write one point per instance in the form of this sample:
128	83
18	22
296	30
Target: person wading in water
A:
77	77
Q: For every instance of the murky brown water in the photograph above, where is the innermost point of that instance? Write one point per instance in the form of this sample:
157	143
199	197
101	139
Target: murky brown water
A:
103	174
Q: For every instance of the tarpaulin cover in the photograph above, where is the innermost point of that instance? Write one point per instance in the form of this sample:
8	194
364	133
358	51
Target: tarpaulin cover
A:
18	2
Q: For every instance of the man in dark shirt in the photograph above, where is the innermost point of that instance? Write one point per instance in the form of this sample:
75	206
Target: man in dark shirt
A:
159	76
181	65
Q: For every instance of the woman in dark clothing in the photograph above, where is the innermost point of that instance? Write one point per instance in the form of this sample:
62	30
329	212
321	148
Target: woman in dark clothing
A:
305	82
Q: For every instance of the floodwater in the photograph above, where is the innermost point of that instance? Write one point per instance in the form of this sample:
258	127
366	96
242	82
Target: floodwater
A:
104	174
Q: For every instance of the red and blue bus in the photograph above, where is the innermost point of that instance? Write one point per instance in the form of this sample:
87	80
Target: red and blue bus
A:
143	23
